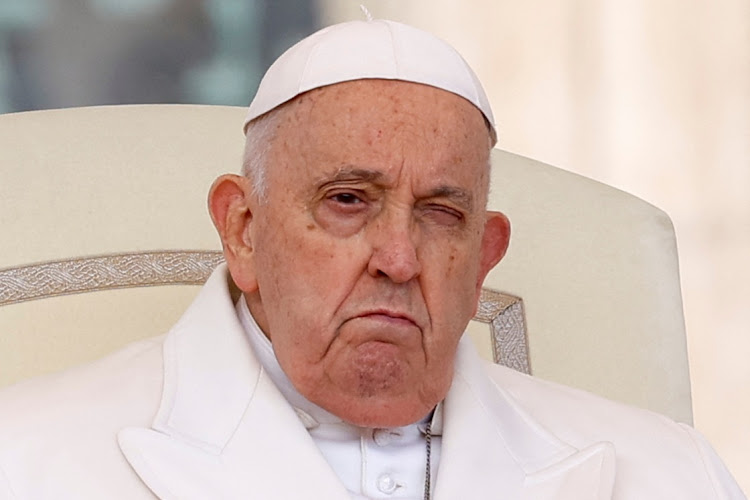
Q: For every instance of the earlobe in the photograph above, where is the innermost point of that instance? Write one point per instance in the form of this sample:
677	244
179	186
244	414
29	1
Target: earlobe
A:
231	213
494	243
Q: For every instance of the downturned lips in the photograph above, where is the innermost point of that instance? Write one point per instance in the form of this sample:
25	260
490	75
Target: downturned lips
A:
389	316
384	326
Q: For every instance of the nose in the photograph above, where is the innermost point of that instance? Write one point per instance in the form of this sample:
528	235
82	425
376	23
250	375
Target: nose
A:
394	242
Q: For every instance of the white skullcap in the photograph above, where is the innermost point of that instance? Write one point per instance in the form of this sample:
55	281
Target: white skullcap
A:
358	50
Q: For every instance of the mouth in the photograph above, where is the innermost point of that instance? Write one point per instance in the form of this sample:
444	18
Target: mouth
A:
382	327
389	316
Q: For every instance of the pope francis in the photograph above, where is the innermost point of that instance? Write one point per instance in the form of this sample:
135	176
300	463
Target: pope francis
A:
325	359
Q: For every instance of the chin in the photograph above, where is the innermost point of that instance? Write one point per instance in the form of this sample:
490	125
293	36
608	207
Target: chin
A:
384	412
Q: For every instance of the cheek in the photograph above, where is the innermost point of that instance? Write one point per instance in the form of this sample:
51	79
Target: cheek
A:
304	275
448	284
449	266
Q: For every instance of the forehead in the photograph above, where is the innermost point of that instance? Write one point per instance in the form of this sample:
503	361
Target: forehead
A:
389	126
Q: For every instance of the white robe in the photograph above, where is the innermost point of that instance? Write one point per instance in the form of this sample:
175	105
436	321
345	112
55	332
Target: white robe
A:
192	415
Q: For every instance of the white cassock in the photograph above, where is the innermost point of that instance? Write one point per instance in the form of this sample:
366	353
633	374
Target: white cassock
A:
194	415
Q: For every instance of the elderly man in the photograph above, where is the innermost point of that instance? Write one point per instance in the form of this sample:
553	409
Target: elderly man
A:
359	240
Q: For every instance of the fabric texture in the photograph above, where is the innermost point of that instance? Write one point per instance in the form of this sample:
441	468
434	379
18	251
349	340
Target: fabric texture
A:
191	415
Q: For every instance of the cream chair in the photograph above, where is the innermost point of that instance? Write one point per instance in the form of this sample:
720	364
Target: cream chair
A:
112	199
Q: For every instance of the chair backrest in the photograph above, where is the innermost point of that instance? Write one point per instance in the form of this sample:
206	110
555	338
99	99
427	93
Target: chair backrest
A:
113	199
597	270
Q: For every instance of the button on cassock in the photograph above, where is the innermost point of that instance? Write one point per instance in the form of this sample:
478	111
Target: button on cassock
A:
387	484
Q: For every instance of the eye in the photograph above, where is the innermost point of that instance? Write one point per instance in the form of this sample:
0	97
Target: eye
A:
347	202
346	198
443	215
343	211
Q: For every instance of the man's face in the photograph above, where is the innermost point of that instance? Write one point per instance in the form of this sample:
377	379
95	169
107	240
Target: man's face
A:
369	252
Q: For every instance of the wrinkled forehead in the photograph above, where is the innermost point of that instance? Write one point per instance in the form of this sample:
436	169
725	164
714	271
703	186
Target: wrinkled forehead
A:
384	126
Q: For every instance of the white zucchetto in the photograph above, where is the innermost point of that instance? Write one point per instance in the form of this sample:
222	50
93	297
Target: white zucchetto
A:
358	50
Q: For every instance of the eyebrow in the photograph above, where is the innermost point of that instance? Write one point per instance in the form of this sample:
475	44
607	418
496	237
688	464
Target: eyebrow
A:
354	174
460	196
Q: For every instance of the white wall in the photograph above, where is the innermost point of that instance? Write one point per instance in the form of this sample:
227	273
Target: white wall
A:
652	97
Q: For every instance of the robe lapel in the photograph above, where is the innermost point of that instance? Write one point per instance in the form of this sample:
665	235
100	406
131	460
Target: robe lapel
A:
586	475
223	430
492	449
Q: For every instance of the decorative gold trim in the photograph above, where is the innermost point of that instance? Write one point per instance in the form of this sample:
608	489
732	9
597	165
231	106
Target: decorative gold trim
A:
127	270
504	313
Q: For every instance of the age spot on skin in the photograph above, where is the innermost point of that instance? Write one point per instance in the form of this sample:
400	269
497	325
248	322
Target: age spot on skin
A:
451	261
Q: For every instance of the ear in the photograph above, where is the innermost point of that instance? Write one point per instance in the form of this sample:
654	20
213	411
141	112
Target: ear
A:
229	202
494	244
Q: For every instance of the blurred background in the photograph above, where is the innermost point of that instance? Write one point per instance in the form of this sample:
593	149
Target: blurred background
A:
650	96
